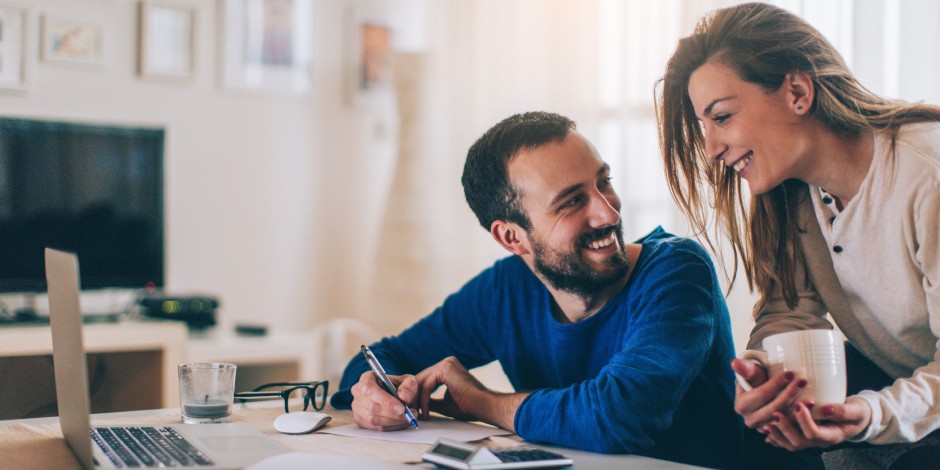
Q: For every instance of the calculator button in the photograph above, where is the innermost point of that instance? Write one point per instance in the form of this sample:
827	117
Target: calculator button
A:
526	455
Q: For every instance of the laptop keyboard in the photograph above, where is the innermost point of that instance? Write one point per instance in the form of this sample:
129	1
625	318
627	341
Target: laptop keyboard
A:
147	446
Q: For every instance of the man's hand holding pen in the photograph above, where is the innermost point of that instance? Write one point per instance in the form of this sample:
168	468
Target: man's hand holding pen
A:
390	387
465	399
374	408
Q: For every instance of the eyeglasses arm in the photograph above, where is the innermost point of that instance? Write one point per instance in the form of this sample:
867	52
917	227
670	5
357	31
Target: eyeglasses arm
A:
310	383
256	394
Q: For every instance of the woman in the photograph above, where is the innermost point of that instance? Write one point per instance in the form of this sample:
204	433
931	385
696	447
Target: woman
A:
843	218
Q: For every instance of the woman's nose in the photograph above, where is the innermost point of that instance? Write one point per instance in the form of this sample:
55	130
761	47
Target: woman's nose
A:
714	148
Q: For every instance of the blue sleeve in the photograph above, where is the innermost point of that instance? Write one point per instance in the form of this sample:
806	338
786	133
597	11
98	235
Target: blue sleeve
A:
634	398
460	328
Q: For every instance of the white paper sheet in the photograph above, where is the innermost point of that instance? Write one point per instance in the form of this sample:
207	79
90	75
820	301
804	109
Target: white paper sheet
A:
307	460
429	432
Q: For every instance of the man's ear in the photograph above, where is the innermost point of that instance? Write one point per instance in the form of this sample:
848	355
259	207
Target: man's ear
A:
801	91
511	236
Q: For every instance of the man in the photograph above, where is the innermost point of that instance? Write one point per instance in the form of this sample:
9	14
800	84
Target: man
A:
611	347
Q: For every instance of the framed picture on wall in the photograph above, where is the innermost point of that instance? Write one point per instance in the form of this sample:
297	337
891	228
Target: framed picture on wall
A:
374	68
12	44
66	40
167	40
370	48
267	45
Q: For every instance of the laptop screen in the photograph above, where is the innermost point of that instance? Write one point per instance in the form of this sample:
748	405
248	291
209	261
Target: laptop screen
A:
68	352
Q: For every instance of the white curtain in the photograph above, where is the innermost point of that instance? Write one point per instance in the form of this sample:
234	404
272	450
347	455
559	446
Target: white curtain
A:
595	61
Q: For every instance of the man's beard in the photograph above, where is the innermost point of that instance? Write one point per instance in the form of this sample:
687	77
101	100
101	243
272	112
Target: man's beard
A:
571	272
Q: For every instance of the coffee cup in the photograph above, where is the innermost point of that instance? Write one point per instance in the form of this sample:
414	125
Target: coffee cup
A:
816	355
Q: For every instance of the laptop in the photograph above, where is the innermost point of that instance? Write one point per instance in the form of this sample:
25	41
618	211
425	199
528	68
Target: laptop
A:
185	446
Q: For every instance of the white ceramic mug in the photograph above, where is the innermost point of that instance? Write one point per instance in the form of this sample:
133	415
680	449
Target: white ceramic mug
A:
816	355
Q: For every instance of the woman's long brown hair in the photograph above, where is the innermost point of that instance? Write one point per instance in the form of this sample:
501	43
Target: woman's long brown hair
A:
762	44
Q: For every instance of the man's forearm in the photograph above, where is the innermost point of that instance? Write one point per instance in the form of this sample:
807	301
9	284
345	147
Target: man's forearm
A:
498	409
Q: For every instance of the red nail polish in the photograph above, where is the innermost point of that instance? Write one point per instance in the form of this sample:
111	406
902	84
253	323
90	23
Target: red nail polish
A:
828	410
801	383
788	375
797	408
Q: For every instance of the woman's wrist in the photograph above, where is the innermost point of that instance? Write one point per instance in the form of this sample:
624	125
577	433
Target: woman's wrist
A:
865	424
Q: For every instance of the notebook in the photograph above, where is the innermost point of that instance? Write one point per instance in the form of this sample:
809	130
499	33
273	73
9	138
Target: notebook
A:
205	446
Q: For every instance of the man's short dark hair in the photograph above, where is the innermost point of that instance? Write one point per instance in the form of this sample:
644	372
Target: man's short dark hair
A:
485	179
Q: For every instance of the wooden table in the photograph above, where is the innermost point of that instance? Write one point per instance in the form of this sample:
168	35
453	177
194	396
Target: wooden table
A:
38	443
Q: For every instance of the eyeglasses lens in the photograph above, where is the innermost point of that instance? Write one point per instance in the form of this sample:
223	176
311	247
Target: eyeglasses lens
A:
314	395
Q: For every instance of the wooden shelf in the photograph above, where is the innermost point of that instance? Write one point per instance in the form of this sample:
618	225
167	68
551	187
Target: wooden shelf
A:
132	365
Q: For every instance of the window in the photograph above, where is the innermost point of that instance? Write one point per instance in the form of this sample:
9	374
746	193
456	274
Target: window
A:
635	39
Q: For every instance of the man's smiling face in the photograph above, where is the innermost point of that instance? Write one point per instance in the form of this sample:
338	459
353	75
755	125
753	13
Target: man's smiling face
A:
576	236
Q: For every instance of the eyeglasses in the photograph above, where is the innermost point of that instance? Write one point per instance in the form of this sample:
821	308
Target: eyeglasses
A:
313	393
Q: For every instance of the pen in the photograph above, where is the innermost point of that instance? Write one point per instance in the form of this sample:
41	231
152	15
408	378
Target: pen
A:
389	386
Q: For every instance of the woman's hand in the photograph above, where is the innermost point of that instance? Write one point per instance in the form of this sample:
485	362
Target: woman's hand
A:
766	397
800	431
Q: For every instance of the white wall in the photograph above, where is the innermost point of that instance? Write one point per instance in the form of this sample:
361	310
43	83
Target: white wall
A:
281	204
269	197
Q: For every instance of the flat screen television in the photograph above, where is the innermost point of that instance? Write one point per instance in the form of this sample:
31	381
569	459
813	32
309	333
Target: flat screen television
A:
96	190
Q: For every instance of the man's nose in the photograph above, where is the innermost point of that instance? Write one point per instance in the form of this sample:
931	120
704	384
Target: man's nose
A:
603	212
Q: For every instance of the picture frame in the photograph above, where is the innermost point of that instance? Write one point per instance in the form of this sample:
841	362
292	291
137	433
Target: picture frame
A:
369	77
267	45
167	40
72	41
12	48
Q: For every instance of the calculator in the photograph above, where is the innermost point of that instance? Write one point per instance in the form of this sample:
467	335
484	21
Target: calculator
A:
453	454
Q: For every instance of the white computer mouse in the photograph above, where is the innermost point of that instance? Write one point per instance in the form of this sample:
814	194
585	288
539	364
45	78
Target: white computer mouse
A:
300	422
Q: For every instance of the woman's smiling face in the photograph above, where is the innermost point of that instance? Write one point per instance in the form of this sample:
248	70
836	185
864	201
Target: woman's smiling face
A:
747	128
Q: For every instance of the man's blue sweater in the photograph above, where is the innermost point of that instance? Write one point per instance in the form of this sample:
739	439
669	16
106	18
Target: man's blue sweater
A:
648	374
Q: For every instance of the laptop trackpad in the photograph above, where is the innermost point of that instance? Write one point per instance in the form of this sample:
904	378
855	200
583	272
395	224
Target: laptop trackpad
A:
236	443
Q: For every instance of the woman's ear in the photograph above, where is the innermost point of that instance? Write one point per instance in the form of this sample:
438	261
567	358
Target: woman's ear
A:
511	236
801	92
